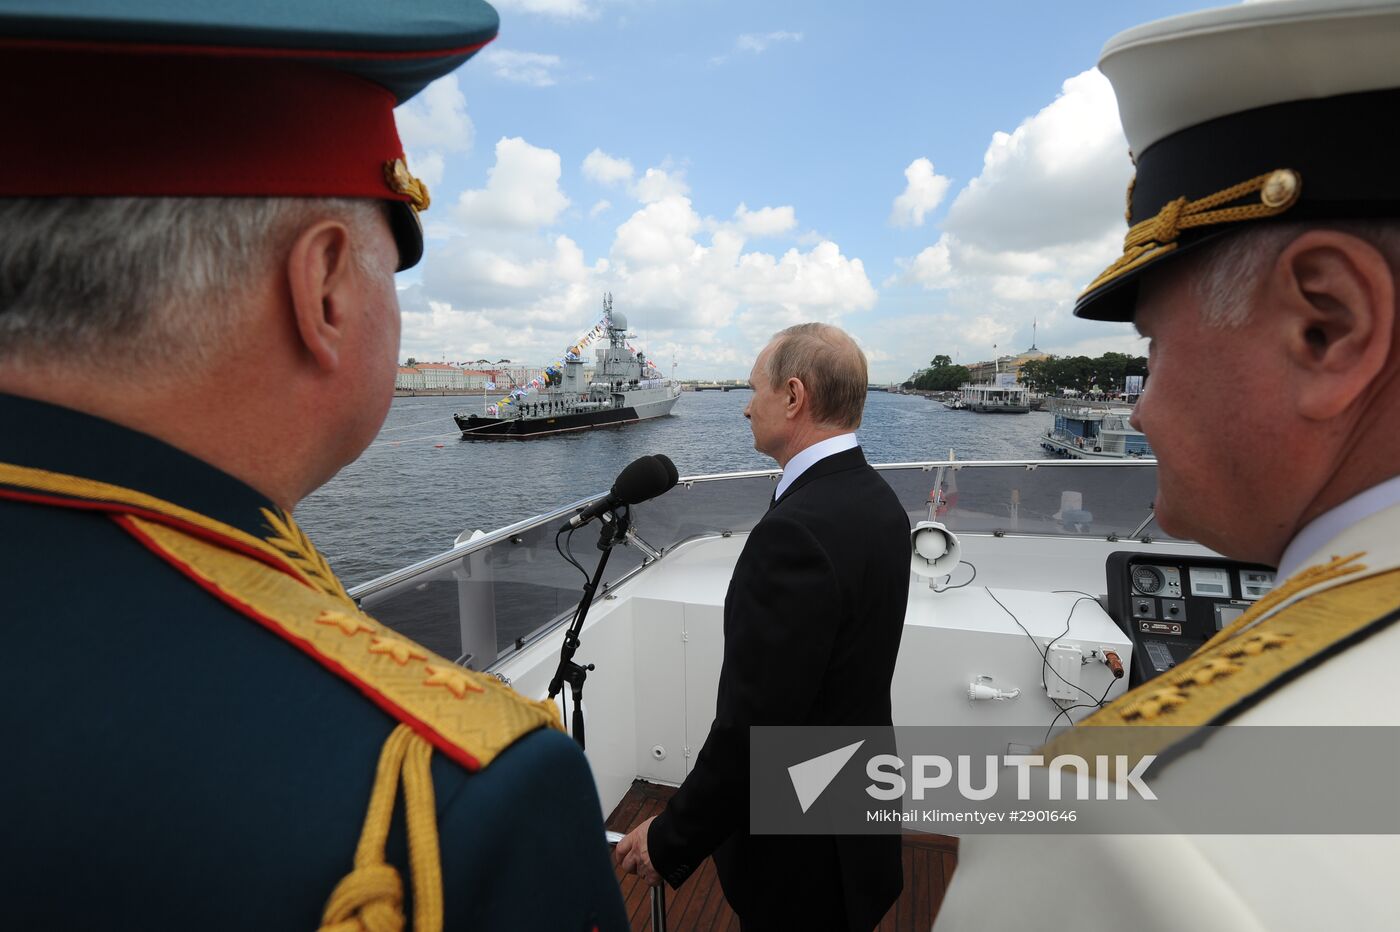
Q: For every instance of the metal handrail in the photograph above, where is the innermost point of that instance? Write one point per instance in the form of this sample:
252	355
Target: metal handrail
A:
505	533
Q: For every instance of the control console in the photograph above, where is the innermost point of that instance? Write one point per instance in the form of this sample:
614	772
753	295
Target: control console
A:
1169	605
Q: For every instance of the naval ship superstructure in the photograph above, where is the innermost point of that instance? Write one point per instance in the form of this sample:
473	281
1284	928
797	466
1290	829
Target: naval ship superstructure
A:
625	388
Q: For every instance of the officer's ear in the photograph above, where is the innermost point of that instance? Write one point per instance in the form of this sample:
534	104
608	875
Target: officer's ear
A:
318	272
1333	298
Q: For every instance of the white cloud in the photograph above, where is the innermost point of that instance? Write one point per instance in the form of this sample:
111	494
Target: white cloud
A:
756	43
522	190
533	68
923	192
499	282
1044	216
932	268
605	169
766	221
657	184
660	262
1058	178
434	124
660	233
513	273
558	9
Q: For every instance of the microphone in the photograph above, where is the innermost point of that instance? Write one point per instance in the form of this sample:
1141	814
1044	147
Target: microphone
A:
644	478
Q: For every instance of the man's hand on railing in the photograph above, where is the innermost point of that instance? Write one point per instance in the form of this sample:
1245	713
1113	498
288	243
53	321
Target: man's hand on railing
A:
632	855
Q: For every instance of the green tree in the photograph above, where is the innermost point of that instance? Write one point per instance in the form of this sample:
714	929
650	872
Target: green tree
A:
944	378
940	362
1035	374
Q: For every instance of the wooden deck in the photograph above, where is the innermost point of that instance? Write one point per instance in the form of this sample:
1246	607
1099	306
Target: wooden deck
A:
699	904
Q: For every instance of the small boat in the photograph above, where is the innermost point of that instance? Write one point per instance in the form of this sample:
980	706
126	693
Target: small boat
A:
1094	430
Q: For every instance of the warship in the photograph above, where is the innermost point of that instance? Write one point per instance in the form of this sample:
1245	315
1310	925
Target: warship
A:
625	388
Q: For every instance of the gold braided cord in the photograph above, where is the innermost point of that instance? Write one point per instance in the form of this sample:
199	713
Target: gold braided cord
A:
423	853
370	897
1156	236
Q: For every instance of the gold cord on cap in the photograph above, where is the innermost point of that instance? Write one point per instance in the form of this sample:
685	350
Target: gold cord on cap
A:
1278	191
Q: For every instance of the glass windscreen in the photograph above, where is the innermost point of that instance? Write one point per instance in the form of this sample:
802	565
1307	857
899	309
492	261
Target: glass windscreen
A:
483	600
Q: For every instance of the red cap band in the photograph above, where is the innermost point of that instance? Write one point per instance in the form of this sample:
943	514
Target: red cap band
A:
111	124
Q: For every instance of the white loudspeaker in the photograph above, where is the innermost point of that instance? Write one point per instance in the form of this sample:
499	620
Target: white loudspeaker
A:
935	553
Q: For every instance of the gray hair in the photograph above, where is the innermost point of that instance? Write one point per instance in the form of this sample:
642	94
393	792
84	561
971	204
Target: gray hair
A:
124	281
1228	273
829	364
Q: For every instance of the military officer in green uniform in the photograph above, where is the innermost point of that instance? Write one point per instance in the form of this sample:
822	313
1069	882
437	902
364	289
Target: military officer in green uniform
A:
202	207
1262	262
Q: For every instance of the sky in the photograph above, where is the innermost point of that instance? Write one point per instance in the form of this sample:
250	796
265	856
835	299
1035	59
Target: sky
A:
933	177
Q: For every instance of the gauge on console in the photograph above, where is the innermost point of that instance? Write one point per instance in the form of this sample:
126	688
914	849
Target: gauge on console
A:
1148	579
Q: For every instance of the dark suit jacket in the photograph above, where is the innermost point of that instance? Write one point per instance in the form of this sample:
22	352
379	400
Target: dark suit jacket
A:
812	622
185	768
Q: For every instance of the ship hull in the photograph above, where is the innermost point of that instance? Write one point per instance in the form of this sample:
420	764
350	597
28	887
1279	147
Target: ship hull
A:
477	427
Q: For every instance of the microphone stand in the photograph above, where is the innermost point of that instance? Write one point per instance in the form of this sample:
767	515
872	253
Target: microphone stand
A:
613	530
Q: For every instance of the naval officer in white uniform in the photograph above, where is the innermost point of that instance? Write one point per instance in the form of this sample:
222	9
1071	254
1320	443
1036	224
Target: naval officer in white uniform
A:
1263	263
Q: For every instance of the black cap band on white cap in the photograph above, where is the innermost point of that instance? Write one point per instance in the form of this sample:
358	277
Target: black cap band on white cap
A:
1262	113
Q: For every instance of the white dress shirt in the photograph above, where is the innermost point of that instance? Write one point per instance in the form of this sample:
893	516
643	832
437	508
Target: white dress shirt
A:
810	456
1329	524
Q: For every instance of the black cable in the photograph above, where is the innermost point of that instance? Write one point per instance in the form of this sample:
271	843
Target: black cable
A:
1045	654
969	582
1065	710
569	556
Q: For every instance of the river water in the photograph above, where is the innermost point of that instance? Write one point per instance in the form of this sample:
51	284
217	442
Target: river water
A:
420	485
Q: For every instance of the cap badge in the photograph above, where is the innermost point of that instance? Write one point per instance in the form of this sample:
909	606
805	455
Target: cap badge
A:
1281	188
401	181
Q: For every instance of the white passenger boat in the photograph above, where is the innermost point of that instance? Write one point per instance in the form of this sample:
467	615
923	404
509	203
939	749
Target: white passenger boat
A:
1094	430
1002	397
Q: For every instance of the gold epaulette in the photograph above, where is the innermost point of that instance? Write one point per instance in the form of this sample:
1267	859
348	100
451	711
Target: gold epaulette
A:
283	583
471	717
1241	665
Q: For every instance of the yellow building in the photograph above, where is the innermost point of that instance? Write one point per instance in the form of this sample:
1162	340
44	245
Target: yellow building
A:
987	371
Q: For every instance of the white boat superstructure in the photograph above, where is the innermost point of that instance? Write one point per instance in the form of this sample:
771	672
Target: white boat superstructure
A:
1006	397
1094	430
1037	535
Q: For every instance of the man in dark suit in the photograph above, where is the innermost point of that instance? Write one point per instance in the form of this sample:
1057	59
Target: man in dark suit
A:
812	622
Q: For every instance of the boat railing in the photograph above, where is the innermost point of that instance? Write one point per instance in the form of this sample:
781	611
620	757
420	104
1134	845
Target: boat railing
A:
486	598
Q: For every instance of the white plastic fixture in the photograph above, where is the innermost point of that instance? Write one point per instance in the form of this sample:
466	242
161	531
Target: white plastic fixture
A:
935	553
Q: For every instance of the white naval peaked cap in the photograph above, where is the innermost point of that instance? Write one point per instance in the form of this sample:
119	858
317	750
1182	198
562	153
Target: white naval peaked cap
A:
1286	109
